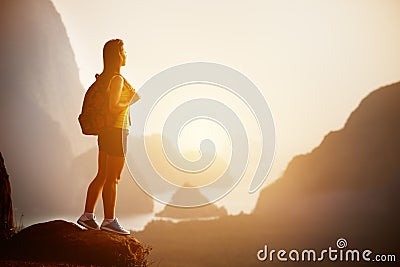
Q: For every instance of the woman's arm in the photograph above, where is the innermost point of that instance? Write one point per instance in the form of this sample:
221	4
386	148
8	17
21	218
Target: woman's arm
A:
115	105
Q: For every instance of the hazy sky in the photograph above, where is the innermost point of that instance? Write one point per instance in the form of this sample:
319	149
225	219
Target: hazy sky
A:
313	60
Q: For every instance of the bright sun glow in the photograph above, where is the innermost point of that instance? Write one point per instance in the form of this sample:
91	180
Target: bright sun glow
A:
197	130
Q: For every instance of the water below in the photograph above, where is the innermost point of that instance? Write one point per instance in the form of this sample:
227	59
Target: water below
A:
236	202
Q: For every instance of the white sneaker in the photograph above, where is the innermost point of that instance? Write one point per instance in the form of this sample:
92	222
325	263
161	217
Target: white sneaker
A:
114	227
88	223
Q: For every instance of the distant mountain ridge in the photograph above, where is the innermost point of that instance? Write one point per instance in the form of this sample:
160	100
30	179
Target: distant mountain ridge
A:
362	156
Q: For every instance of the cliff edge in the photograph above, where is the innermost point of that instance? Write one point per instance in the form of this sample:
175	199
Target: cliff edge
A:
60	242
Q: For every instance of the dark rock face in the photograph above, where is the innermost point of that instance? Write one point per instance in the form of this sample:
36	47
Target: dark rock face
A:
39	85
6	209
64	242
38	61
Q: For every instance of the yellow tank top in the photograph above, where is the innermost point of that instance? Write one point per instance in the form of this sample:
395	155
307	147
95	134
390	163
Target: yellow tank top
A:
122	119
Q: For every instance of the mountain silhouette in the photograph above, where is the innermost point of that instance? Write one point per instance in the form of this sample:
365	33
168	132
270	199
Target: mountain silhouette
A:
38	63
359	159
38	78
347	187
206	211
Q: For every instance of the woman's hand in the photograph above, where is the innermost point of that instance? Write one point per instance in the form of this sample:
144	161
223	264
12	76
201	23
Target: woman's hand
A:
135	97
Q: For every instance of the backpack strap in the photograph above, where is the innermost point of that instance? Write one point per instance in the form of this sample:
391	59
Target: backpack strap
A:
115	75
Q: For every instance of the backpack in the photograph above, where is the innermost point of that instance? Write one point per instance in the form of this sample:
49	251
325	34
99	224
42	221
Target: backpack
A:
95	107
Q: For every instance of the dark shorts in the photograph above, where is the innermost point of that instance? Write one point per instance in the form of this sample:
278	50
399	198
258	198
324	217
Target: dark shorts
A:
113	141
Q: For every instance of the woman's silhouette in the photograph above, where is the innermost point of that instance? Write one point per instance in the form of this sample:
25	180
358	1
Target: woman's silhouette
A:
112	140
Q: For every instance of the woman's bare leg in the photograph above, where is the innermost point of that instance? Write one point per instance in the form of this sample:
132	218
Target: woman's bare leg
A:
96	186
113	174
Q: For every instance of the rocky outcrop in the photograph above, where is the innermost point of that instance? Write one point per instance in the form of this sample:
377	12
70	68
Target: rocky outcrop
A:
6	209
64	242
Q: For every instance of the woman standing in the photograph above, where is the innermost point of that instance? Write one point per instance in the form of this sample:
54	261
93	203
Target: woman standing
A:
112	141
